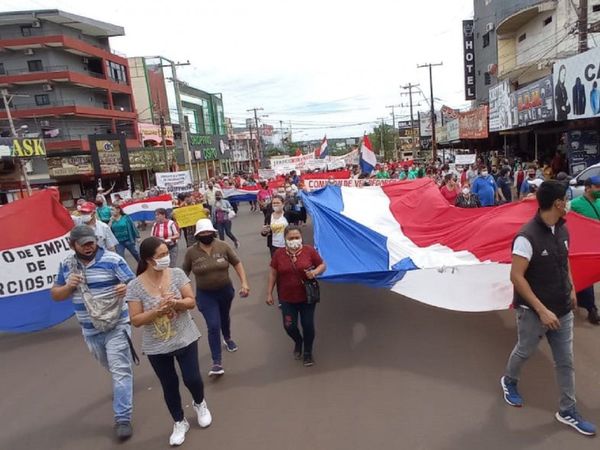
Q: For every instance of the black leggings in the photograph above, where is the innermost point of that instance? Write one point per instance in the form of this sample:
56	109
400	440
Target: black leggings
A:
164	367
290	313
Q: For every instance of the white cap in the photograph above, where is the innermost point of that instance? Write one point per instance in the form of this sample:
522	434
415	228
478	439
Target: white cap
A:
204	225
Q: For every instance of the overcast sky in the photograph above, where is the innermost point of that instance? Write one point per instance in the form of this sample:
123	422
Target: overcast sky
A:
324	63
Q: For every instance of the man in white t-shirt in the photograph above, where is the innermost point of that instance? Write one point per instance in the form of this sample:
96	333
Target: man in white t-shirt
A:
106	238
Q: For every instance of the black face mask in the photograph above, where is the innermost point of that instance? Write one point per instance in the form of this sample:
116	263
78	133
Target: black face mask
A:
206	240
86	258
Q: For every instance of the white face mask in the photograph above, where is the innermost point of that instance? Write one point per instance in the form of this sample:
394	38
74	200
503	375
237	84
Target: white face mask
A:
86	218
293	244
465	191
484	174
277	208
162	263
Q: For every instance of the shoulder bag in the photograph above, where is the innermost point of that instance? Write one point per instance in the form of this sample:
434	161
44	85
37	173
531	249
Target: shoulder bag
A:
311	287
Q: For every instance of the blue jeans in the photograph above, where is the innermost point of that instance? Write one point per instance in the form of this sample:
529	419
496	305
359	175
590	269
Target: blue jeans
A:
129	245
225	228
111	349
530	332
215	306
290	312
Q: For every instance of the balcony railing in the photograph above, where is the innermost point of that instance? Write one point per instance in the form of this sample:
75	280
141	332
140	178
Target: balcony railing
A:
50	69
22	106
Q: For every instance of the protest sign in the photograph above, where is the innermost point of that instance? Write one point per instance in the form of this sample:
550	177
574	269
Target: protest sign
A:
187	216
465	159
314	184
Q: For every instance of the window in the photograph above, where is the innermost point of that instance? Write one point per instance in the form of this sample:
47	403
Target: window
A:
2	71
596	8
35	65
588	174
522	37
486	40
42	99
26	31
548	20
487	78
116	72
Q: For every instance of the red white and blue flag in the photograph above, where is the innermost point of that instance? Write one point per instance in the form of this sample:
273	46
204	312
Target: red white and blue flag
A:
368	160
241	194
144	210
323	150
34	242
407	237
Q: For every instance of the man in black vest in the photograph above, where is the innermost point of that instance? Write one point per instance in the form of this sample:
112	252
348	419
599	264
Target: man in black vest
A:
544	298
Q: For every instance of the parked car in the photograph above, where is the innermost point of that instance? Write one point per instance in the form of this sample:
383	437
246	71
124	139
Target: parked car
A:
577	182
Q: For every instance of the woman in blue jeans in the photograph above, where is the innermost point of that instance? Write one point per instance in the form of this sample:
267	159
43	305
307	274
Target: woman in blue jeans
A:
125	231
290	267
220	217
209	259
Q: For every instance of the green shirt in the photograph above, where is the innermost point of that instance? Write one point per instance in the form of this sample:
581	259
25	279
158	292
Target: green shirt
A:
382	175
124	229
583	206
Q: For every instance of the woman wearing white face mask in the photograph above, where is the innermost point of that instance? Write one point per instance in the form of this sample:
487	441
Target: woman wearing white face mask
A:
274	226
290	268
159	300
466	199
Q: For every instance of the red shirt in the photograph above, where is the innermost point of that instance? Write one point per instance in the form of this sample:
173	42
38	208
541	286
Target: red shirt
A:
449	195
290	281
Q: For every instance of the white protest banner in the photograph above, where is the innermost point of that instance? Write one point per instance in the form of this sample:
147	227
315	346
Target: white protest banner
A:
314	184
313	164
297	161
465	159
266	174
164	179
125	195
338	164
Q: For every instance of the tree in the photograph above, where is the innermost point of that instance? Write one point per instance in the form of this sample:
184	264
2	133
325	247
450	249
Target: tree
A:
388	140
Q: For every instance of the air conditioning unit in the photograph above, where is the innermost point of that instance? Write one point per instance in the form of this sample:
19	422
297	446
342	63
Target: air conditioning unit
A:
86	60
489	27
29	52
36	24
44	123
47	87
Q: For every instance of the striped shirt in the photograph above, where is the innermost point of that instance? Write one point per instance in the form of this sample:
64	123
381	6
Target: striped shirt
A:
165	230
102	275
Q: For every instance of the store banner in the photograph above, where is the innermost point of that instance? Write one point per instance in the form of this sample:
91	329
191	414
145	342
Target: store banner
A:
68	166
500	112
22	147
453	130
109	153
151	134
473	124
582	149
209	147
533	103
441	134
469	59
576	92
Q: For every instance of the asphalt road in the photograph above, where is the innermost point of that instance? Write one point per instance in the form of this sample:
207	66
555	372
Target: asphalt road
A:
390	373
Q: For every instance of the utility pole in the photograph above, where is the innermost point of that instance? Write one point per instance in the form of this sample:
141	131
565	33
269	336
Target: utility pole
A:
583	25
258	143
281	133
394	128
433	141
7	98
184	136
382	148
410	87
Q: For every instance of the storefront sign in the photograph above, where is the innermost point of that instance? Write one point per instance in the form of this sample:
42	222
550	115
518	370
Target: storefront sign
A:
208	147
151	134
22	147
500	113
576	91
68	166
473	124
150	159
452	130
469	59
533	103
582	149
441	134
109	153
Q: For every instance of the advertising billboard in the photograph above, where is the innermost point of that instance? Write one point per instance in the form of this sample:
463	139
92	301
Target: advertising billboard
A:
500	113
533	103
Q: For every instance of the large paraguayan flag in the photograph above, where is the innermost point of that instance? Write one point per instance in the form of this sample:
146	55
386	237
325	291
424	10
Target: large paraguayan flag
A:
144	210
405	236
323	150
368	160
241	194
34	242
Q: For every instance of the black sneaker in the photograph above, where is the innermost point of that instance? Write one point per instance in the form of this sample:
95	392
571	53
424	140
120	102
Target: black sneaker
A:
298	352
123	430
593	317
308	360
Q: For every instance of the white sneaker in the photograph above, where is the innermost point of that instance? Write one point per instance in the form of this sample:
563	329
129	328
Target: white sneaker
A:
204	416
179	430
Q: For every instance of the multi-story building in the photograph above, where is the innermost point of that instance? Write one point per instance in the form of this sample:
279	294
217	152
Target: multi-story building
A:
519	39
66	84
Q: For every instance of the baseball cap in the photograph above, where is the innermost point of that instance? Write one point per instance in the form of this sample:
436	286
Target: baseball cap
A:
82	234
593	181
204	225
87	208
